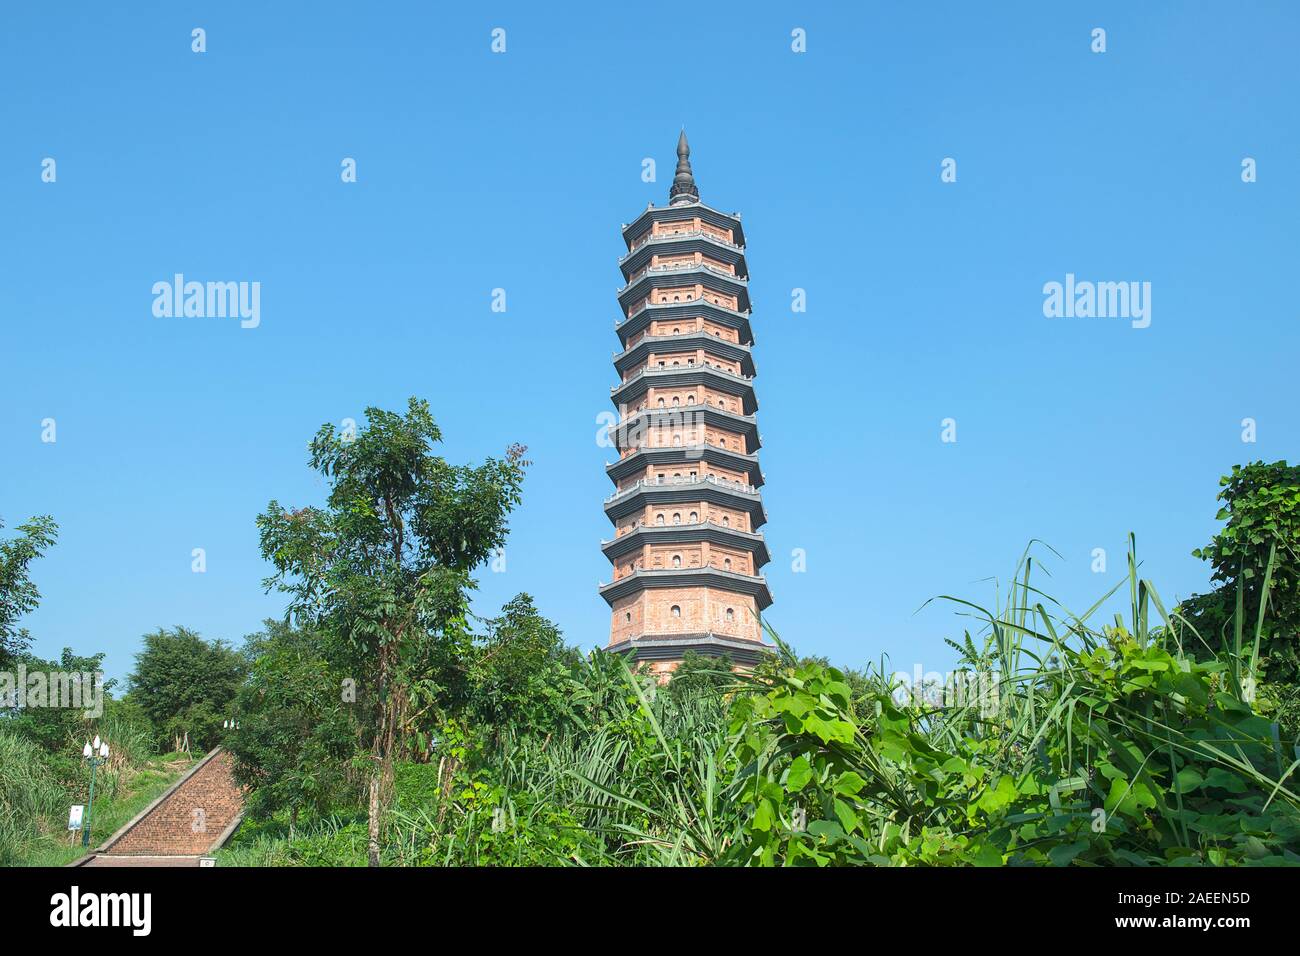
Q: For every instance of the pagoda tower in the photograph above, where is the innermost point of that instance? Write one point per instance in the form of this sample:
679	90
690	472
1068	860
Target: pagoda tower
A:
686	508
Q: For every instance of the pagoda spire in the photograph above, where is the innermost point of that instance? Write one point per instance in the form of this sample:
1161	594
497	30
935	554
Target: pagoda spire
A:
683	191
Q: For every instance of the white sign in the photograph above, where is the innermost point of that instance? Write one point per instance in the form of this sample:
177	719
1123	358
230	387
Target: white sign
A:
207	861
74	816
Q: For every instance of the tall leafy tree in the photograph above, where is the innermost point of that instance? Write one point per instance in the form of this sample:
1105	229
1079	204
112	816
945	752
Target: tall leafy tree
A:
185	684
386	563
18	595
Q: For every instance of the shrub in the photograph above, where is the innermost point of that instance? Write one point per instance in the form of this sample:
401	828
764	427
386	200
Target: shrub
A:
1101	746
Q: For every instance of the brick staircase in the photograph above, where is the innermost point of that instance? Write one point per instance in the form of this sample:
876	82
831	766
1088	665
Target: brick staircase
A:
197	814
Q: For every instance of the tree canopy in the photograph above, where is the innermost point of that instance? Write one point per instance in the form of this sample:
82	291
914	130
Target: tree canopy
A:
18	594
185	684
295	733
386	564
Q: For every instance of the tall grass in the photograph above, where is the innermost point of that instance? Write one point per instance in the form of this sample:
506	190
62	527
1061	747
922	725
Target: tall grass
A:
336	840
131	746
1038	647
641	784
29	795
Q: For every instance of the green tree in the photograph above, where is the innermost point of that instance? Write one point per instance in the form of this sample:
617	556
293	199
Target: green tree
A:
386	563
521	674
1261	508
1261	505
60	731
295	729
18	595
185	684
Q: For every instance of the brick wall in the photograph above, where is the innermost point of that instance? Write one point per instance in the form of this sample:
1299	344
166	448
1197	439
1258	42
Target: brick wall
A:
190	819
700	609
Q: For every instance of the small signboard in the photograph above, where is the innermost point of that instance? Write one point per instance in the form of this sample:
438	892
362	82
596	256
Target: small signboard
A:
74	816
207	861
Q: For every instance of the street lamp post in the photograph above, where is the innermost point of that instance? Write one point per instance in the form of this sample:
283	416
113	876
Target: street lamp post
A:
96	755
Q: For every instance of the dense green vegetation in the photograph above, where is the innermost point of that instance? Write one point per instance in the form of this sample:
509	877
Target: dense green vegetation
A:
1102	744
1143	741
185	686
381	722
1261	511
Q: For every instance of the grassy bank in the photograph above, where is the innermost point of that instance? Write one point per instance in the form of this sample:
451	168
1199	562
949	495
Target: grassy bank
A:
52	845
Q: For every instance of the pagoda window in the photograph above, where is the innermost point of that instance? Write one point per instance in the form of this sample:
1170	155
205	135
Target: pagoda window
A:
675	611
726	522
677	517
695	518
661	403
731	615
659	520
677	560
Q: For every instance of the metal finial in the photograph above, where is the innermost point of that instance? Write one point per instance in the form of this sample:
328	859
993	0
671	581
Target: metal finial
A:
683	190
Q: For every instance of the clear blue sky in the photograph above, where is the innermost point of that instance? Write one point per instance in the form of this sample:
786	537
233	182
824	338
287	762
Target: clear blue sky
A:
479	171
